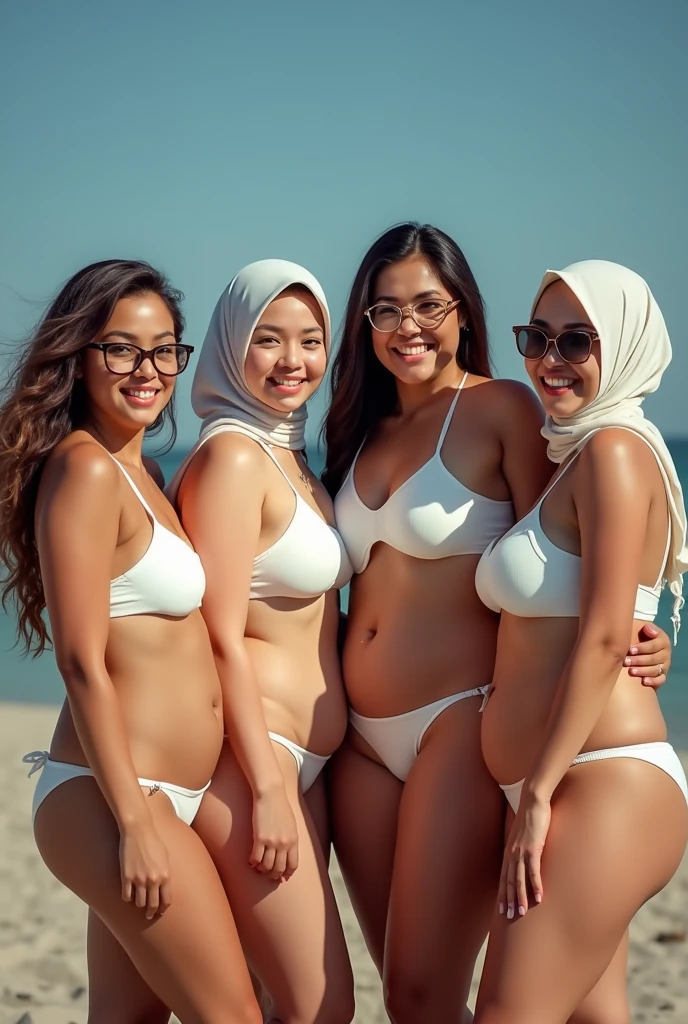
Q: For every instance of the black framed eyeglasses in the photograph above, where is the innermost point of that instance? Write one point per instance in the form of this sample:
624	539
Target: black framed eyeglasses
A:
573	346
121	357
386	317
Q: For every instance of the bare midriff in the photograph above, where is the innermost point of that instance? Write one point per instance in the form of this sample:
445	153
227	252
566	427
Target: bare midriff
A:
531	656
166	683
417	632
292	646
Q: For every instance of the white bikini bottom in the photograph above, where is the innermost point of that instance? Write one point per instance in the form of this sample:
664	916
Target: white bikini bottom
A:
308	764
397	739
661	754
184	801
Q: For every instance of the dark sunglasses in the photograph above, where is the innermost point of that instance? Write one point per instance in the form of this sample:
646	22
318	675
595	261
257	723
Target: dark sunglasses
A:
122	357
572	346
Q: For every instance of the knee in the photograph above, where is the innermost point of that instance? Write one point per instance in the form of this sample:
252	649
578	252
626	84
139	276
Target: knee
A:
335	1007
409	998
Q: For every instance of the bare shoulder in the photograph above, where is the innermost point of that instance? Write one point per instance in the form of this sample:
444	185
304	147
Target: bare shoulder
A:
80	461
617	452
154	471
509	399
232	452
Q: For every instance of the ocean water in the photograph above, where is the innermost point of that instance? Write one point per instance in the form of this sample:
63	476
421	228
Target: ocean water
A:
37	680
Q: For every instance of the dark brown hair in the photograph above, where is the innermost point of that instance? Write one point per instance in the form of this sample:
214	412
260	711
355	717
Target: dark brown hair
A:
43	401
363	391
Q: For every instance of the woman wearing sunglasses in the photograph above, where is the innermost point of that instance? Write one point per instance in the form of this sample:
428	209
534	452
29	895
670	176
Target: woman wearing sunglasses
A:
262	524
430	461
87	536
579	751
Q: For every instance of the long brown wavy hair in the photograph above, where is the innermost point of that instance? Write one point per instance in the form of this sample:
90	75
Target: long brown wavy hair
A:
43	401
363	391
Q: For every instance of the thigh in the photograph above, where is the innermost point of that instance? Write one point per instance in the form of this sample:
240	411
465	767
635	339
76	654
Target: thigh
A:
364	808
190	957
543	965
607	1002
316	802
291	931
446	867
116	991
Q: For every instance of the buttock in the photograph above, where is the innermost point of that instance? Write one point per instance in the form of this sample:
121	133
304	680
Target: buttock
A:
662	755
185	802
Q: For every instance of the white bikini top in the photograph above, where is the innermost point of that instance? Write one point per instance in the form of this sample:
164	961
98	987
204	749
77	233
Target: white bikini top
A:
167	580
525	574
432	514
307	560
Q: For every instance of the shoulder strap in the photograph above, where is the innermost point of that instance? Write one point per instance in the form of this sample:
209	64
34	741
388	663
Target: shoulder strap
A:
231	428
448	417
133	486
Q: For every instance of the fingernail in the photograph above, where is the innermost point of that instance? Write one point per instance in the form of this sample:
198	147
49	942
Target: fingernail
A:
521	910
634	650
633	671
501	908
510	911
538	897
627	661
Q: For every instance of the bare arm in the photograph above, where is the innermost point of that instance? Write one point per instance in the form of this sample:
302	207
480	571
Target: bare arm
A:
612	511
221	501
612	515
528	471
77	525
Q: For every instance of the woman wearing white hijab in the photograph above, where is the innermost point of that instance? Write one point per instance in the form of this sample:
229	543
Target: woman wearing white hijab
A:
260	521
602	793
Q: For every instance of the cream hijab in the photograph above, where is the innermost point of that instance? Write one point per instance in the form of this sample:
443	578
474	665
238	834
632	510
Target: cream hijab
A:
219	394
635	351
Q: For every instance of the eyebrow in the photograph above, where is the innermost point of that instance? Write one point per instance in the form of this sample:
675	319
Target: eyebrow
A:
280	330
420	295
567	327
134	337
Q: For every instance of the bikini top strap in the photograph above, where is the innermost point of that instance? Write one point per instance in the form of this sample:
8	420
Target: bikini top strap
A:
133	486
231	428
448	417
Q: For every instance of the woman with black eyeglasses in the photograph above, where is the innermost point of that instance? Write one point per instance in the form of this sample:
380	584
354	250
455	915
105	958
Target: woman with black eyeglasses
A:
430	460
86	535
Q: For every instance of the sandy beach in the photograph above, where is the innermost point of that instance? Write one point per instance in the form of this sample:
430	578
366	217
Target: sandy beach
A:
42	963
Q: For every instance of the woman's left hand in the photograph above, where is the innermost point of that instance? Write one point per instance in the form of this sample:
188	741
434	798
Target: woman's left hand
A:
650	657
523	855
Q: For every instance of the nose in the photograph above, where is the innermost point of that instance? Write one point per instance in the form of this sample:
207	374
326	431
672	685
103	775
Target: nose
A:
291	356
551	357
146	367
408	326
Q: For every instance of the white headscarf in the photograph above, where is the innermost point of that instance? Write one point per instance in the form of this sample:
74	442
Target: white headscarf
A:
219	394
635	350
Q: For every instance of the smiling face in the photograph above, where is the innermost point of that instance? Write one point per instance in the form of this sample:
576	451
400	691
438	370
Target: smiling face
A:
416	355
286	358
563	388
133	401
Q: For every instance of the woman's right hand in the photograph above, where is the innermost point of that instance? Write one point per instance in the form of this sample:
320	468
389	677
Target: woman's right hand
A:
145	869
275	836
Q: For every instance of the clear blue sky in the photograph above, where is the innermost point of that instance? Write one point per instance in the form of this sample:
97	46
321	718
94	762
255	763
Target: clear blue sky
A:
201	136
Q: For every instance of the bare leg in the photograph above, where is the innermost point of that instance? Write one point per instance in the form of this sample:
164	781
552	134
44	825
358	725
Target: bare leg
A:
446	870
364	806
291	931
316	802
607	1002
117	994
544	964
190	957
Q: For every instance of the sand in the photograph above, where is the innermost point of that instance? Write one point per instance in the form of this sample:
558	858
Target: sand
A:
42	963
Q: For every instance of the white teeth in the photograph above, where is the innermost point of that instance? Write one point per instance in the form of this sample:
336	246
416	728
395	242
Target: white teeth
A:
287	383
140	394
412	350
559	382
